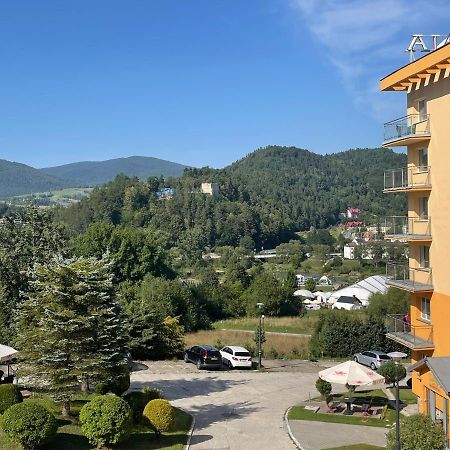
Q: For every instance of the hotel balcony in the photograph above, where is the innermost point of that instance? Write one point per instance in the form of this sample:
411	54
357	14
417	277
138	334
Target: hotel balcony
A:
417	178
407	130
415	337
410	279
408	228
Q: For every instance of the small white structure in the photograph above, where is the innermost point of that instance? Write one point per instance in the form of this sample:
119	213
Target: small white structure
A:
304	293
324	281
347	303
362	290
349	250
210	188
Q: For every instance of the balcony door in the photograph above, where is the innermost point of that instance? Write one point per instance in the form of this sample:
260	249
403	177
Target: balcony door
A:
424	257
423	159
423	208
422	109
425	309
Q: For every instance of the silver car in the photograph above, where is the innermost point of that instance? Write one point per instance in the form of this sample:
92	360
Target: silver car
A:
372	359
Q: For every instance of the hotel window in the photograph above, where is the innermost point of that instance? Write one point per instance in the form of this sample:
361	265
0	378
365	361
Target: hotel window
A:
425	309
423	207
423	159
424	257
422	109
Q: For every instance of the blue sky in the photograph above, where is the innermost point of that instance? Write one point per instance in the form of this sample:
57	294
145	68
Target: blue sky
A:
200	82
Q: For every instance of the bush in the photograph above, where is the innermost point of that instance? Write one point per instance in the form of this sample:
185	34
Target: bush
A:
29	424
160	415
418	433
9	395
106	419
116	380
392	372
139	399
323	387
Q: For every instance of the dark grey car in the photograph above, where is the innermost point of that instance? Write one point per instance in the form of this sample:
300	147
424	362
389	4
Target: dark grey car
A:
204	356
373	359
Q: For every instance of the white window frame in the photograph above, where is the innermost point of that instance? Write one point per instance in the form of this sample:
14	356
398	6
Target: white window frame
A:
425	311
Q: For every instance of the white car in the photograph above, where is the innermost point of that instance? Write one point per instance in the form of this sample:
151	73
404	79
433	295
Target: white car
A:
233	356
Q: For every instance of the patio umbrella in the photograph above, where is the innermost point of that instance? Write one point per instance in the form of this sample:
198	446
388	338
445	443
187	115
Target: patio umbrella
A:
304	293
7	353
352	373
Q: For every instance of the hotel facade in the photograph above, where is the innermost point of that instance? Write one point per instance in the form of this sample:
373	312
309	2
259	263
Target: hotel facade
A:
425	132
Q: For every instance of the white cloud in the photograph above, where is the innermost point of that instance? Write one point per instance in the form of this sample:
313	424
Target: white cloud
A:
366	39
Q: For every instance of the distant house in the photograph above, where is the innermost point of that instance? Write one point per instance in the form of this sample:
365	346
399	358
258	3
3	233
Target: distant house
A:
348	303
165	193
209	188
353	213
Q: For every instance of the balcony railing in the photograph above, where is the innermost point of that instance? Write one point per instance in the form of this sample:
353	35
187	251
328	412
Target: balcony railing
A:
412	279
407	178
415	337
402	227
413	127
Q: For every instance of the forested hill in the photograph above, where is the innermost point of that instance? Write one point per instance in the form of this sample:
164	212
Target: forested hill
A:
265	198
93	173
18	179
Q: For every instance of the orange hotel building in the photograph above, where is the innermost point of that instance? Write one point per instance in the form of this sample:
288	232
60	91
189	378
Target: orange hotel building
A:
425	131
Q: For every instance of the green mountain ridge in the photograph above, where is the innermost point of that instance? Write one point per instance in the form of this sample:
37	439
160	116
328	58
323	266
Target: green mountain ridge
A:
20	179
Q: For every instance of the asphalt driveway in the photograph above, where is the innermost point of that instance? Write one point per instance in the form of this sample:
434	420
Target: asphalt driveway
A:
239	410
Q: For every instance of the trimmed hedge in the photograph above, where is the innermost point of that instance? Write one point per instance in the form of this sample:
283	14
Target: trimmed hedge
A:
323	387
159	414
9	395
29	424
106	419
139	399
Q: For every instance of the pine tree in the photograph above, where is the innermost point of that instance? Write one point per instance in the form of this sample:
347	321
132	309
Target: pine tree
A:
70	326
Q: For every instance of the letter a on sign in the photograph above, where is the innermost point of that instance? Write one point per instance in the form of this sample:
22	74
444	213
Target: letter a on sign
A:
417	40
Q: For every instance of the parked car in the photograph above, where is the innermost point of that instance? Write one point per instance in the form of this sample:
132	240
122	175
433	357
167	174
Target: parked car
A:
312	306
373	359
233	356
204	356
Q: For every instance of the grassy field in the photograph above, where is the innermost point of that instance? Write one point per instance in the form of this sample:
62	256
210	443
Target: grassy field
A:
301	325
290	347
406	395
70	437
300	413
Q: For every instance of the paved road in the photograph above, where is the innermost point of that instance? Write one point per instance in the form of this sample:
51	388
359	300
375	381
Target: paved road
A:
238	410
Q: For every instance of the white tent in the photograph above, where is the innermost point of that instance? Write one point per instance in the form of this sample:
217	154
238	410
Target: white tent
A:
7	353
362	290
304	293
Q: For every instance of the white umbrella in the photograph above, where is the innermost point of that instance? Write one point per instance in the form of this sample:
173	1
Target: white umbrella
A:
304	293
352	373
7	353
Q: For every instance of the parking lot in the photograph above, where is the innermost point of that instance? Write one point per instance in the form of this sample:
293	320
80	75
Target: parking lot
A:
239	409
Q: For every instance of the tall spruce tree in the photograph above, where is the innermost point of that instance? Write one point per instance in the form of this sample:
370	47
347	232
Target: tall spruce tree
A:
70	326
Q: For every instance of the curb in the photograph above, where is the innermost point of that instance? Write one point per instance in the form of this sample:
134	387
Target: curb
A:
189	433
291	435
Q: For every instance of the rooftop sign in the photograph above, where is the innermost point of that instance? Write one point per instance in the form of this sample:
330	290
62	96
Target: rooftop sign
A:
426	43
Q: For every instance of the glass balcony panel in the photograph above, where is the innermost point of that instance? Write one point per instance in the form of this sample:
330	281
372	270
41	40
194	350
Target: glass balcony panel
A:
411	126
415	337
403	227
412	279
407	178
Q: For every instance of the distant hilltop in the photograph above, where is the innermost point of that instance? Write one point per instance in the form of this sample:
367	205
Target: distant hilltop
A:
20	179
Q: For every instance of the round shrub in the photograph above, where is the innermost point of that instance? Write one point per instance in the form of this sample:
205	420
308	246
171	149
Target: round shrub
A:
160	415
106	419
323	387
392	372
418	432
29	424
139	399
9	395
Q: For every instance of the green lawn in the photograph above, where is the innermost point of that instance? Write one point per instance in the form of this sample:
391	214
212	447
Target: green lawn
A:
70	437
300	413
357	447
406	396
